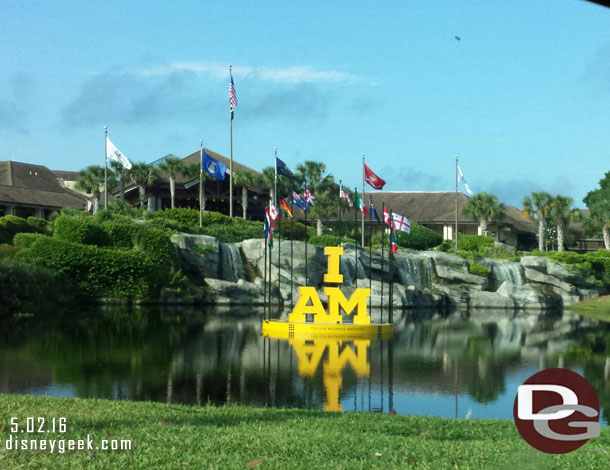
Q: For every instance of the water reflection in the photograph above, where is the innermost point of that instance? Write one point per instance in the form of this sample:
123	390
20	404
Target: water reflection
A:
455	364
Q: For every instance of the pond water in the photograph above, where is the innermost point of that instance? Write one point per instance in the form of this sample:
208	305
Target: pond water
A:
454	364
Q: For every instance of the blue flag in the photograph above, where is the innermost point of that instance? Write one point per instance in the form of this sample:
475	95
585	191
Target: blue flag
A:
213	166
374	213
282	169
299	202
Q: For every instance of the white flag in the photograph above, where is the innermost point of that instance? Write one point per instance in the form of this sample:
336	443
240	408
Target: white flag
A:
116	155
462	180
401	223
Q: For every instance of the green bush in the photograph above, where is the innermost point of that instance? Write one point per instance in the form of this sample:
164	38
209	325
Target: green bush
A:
121	234
24	240
235	232
24	287
155	243
294	230
38	225
474	243
478	269
80	229
420	238
99	272
329	240
11	225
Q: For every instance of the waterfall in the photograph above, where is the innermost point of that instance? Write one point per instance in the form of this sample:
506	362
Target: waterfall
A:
415	271
231	265
506	271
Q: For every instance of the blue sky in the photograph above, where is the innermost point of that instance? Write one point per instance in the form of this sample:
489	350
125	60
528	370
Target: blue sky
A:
523	98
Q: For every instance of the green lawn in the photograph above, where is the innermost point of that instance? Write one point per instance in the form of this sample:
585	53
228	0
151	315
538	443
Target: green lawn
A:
174	436
597	308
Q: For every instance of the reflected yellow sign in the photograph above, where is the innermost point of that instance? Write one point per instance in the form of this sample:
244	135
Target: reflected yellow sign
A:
338	357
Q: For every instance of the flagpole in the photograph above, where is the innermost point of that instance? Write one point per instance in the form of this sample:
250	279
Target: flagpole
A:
456	203
291	254
356	237
340	214
200	183
275	180
391	281
382	262
362	198
265	281
231	154
370	251
279	259
105	167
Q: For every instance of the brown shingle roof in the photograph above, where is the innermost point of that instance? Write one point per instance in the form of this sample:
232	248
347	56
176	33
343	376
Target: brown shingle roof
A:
427	207
26	184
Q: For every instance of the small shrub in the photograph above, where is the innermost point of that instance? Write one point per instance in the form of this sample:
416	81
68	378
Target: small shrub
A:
24	240
11	225
38	225
474	243
478	269
80	229
329	240
420	238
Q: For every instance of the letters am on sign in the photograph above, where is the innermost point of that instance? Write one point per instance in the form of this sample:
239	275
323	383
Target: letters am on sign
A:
309	302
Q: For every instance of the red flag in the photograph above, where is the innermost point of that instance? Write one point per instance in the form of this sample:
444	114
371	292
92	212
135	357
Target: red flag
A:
386	216
372	179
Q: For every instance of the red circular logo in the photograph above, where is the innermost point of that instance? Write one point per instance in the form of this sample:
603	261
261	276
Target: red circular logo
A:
556	411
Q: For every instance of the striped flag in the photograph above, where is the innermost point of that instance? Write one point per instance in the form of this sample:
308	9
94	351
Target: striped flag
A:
269	226
393	239
361	205
232	96
284	205
343	195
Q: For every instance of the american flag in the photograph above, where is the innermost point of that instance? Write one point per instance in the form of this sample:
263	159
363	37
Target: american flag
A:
309	198
343	195
232	95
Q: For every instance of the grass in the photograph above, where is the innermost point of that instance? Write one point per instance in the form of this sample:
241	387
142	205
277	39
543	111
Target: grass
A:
595	308
238	437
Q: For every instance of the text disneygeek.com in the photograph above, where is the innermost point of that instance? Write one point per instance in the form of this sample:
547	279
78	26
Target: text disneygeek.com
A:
60	446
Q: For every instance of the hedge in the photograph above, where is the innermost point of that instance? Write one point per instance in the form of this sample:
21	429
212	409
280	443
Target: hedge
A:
474	243
80	229
478	269
25	288
329	240
99	272
420	238
11	225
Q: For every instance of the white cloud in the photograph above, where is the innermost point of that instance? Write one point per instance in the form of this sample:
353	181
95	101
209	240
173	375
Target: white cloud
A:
293	74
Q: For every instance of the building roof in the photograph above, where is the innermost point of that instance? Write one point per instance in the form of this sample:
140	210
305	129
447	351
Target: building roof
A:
35	185
432	207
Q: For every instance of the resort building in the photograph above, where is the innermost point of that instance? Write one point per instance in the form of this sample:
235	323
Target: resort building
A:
34	190
437	211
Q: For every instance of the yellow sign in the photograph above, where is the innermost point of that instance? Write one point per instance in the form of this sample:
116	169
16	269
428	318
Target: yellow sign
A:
309	302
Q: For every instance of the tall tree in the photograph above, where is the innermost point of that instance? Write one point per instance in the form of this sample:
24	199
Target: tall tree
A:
172	166
485	208
598	203
538	205
312	175
247	180
91	180
561	214
142	174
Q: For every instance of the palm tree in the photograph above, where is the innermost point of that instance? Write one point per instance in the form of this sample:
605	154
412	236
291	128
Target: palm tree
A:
247	179
599	218
91	180
312	175
562	213
172	166
142	174
485	208
538	205
192	171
